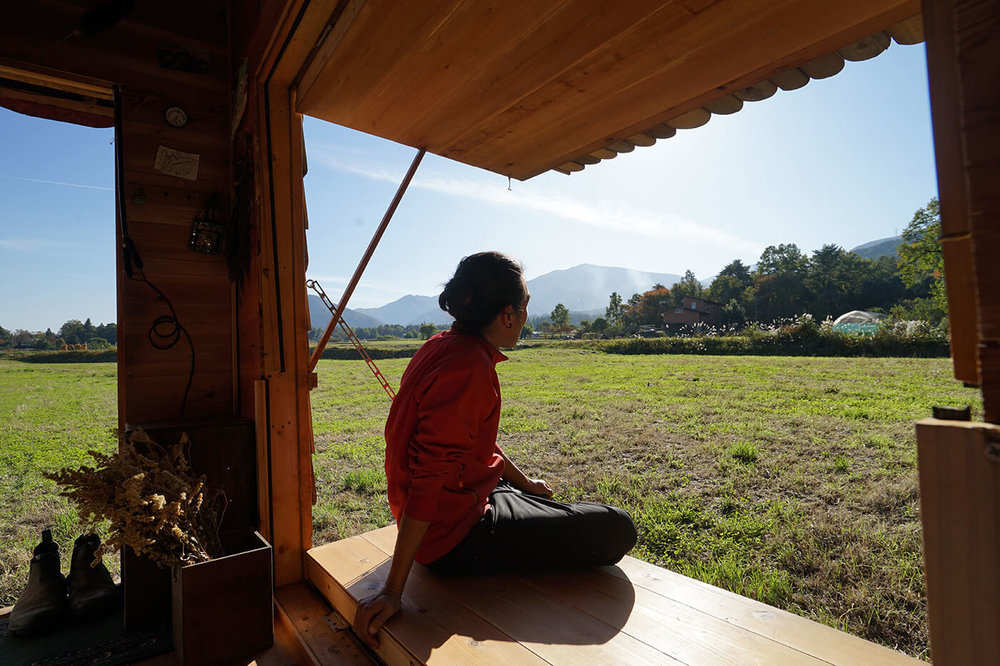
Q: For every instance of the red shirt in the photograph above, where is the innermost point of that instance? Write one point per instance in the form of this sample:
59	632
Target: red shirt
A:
441	454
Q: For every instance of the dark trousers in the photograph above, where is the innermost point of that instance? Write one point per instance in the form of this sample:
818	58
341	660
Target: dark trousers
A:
522	532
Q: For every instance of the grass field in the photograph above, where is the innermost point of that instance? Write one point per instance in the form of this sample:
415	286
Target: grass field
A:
50	416
790	480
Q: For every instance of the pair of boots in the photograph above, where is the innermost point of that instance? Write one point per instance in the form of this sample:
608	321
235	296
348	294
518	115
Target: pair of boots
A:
87	592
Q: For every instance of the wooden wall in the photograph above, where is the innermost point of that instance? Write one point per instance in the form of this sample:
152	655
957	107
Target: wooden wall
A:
963	55
58	38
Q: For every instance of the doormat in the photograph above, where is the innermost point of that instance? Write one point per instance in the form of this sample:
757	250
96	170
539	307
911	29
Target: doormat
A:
99	642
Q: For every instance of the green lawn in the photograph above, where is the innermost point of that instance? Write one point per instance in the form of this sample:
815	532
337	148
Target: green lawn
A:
791	480
50	416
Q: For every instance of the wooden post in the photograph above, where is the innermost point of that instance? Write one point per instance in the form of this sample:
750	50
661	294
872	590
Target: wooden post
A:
963	53
288	442
960	509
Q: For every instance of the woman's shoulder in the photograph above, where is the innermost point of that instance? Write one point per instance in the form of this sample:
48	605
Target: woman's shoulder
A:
451	347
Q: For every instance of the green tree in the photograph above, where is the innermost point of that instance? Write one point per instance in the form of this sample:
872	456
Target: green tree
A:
427	330
615	310
739	271
110	332
881	286
733	313
649	306
725	288
72	332
560	317
4	336
920	256
688	286
527	330
833	280
97	343
779	289
599	325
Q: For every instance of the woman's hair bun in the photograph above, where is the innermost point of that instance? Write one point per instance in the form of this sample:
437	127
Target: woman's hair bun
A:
483	285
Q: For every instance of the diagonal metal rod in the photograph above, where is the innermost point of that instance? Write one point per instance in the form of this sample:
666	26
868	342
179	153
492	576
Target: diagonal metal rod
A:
342	304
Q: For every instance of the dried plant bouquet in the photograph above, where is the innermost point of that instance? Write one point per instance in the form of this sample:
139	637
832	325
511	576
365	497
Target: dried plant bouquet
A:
156	505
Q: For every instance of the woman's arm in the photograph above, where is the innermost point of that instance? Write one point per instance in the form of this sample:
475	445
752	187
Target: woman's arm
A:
515	477
373	611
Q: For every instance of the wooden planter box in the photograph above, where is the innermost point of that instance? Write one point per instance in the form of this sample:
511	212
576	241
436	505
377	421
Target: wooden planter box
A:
223	609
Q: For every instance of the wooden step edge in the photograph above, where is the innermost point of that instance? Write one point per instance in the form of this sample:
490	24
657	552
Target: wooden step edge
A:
320	634
390	650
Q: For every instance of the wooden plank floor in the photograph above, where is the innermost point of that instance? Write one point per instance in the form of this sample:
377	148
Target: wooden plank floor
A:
631	613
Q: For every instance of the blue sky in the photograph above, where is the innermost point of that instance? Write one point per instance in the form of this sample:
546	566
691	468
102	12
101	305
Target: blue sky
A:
844	160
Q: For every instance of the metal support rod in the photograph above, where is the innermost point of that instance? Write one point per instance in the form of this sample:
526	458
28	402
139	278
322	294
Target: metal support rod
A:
342	304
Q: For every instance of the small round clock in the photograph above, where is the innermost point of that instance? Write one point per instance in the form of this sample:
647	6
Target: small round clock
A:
175	117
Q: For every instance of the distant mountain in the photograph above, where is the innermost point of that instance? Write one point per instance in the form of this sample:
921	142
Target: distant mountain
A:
319	316
583	289
587	287
409	309
885	247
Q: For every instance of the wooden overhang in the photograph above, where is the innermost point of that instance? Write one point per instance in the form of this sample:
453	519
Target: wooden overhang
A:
520	88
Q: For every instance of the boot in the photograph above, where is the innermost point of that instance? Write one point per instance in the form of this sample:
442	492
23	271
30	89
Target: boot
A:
43	601
91	590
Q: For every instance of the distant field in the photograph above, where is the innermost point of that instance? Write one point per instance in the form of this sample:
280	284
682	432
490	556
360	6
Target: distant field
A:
790	480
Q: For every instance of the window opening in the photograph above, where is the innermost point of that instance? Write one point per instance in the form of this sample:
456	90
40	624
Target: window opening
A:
58	332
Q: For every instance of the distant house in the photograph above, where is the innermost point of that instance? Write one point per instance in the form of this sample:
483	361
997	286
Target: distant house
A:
694	311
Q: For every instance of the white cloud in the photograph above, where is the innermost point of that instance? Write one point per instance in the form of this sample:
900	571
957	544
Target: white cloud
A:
367	292
57	182
613	216
48	246
27	245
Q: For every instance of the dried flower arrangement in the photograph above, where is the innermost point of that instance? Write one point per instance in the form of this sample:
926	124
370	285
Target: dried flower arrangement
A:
155	503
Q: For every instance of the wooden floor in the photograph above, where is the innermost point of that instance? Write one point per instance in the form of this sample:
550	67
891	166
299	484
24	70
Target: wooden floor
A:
632	613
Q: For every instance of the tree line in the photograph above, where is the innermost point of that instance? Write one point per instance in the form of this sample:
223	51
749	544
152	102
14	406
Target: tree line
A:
380	332
73	332
787	282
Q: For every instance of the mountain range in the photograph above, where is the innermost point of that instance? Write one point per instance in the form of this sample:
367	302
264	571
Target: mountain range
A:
882	247
583	289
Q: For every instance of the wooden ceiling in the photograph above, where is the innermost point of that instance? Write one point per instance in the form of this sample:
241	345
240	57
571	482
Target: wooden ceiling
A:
524	86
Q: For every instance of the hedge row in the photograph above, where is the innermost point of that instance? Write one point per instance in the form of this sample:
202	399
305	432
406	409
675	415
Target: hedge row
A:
782	345
377	353
68	356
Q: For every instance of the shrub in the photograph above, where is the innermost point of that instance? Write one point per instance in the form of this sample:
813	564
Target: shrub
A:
799	337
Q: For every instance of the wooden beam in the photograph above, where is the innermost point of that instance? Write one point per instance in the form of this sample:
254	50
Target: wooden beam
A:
790	79
261	431
724	105
284	343
959	465
910	31
866	48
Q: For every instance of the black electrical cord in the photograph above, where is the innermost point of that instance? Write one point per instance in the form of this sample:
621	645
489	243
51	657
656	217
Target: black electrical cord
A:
166	330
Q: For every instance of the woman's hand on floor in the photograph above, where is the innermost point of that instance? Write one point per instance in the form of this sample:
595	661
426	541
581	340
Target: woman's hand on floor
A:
373	611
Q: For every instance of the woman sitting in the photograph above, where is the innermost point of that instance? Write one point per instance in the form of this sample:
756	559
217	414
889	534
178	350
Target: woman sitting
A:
461	505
